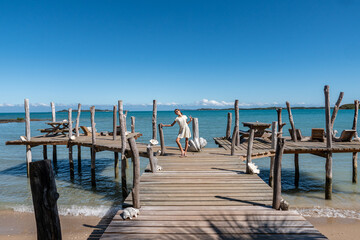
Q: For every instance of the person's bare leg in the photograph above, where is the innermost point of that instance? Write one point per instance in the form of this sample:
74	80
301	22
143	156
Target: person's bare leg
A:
186	146
179	144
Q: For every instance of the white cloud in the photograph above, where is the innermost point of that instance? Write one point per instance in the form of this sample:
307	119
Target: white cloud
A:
7	105
206	102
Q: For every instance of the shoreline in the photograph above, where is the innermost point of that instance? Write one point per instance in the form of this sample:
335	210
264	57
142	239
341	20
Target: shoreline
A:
21	120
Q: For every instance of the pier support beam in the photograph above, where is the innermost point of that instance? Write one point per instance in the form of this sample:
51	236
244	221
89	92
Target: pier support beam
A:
114	122
93	150
55	156
71	160
297	172
124	161
53	119
237	136
355	154
28	135
228	126
154	116
79	158
132	124
336	109
328	165
294	135
249	149
152	159
45	157
116	164
136	173
273	146
162	141
277	174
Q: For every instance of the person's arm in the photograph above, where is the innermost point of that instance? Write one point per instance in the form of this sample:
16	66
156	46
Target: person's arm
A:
168	125
190	120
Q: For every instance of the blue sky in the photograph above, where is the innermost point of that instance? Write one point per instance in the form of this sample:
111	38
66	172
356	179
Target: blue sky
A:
191	53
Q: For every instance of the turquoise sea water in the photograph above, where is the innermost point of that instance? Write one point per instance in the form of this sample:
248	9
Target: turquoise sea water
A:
79	198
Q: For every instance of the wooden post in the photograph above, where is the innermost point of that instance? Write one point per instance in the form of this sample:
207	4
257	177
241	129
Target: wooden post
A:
132	124
196	135
237	136
123	157
277	174
328	165
154	119
151	159
45	152
136	173
355	154
93	150
162	142
53	115
71	161
280	123
336	109
114	122
294	136
233	141
228	126
249	149
116	164
77	134
28	135
79	158
273	146
45	196
121	111
297	171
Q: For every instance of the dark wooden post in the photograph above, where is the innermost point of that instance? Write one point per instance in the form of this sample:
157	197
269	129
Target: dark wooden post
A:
45	196
233	141
280	123
116	164
45	152
132	124
336	109
328	165
71	161
154	116
116	154
277	174
93	149
273	146
123	157
228	126
355	154
237	136
294	136
28	135
297	171
136	173
79	158
152	159
53	119
77	133
249	149
162	142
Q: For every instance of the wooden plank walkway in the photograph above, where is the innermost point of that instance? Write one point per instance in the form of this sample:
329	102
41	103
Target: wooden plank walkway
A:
207	195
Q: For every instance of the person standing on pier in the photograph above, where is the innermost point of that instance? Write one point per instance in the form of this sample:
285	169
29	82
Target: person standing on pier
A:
184	131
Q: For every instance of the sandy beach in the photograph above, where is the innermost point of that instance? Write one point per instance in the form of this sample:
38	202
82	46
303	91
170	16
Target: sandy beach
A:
18	226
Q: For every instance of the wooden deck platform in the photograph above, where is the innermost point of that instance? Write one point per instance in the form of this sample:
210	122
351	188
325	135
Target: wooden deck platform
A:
207	195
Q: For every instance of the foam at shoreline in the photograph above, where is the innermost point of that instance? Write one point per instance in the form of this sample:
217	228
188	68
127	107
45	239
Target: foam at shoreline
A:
318	211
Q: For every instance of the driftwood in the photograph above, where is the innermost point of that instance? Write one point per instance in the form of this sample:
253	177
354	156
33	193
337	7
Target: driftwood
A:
355	154
277	174
93	150
28	135
228	126
162	142
132	124
274	138
249	149
294	135
45	196
328	165
152	160
136	173
336	109
154	116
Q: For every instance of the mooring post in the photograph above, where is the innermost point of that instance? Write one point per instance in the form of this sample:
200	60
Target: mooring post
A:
132	124
53	119
93	149
237	136
273	146
116	164
228	126
136	173
293	130
233	140
28	135
114	122
45	196
249	149
77	134
154	116
280	123
45	157
196	135
71	161
123	157
328	165
355	154
152	160
277	174
297	170
162	142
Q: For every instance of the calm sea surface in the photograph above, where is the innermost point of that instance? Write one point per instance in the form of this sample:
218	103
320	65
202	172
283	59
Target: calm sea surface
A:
79	198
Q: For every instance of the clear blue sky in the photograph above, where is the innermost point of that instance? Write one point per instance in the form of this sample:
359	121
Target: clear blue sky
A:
260	52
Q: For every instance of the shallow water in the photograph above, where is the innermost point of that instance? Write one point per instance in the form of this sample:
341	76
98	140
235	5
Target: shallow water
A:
78	197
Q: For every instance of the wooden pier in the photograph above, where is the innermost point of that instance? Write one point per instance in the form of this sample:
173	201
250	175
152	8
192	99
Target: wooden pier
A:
207	195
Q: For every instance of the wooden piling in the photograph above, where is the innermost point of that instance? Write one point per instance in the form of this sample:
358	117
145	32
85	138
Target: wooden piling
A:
53	119
355	154
249	149
196	135
280	123
116	164
132	124
28	135
336	109
114	122
277	174
228	126
93	150
233	141
54	156
154	116
294	135
297	171
79	158
237	136
273	146
328	165
162	142
45	157
136	173
77	133
151	159
45	196
71	161
123	158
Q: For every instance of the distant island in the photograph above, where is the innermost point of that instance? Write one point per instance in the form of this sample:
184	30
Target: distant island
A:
344	106
20	120
96	110
348	106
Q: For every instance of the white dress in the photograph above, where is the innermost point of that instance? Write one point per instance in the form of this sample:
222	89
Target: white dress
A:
184	131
